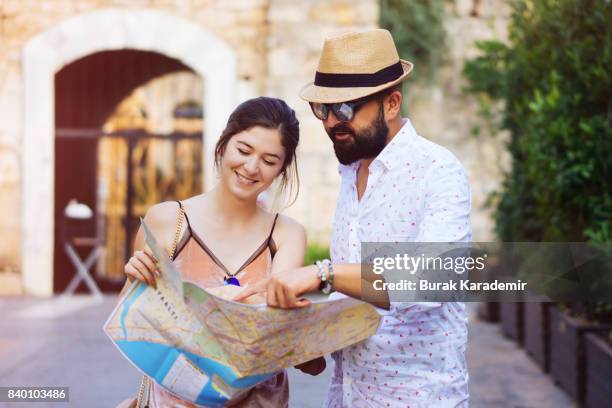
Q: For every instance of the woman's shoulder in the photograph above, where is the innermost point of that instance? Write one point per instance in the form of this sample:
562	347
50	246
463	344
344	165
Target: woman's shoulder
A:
167	211
162	217
288	229
162	220
163	212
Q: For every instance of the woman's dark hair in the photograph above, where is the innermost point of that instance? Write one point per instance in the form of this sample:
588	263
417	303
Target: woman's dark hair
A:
270	113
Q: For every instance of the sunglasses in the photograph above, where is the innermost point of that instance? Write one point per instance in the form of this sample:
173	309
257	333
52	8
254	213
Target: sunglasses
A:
343	111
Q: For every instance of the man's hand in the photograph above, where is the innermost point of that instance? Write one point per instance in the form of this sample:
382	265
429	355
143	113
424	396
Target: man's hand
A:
231	291
284	288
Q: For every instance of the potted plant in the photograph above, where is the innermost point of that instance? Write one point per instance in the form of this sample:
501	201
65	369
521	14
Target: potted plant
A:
510	307
568	328
511	319
488	312
536	333
598	369
557	114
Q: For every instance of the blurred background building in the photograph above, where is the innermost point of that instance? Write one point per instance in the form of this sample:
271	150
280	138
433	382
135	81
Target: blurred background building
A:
118	104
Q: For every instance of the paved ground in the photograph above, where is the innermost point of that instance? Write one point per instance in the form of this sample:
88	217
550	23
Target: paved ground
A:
60	342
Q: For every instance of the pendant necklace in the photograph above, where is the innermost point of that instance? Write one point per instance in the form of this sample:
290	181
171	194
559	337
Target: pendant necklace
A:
231	280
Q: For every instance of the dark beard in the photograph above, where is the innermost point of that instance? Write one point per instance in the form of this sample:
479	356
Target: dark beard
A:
366	144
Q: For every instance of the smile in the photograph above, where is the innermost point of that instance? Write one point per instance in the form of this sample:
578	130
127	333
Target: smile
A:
245	180
342	136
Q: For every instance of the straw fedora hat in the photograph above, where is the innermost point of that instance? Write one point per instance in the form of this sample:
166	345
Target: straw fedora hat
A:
355	65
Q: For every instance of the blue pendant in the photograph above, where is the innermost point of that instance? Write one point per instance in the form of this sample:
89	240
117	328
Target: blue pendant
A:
231	280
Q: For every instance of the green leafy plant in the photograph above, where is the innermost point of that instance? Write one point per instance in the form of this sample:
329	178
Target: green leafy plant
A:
418	30
551	87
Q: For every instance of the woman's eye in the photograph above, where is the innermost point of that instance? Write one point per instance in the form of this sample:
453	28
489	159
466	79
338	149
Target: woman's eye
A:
243	152
269	163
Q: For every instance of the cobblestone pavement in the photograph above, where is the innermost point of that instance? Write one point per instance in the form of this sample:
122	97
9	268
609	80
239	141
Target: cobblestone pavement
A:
59	342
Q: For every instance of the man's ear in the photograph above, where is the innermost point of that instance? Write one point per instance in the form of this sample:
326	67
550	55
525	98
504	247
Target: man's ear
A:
393	105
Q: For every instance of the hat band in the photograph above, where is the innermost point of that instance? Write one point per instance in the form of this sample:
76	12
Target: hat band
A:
388	74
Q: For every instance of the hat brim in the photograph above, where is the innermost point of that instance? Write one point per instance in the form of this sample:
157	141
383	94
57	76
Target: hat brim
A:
322	94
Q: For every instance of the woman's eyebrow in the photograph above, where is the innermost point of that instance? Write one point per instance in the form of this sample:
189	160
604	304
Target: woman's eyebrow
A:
273	155
245	143
265	154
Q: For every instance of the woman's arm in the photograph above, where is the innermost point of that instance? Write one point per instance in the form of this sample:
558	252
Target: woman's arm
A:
162	220
290	239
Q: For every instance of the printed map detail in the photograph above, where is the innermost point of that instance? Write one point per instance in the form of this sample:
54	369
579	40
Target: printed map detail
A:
206	349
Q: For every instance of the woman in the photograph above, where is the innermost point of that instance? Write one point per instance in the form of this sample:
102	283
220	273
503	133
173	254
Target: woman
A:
224	236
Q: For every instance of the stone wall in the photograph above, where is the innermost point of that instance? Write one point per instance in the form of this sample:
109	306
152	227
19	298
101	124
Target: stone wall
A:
440	111
296	34
444	114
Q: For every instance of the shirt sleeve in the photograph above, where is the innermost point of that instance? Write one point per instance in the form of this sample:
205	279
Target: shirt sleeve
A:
446	212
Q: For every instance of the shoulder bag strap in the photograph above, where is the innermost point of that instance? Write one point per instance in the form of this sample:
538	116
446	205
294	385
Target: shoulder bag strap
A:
144	393
179	227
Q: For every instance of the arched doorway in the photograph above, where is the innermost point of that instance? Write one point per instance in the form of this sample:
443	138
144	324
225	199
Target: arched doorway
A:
119	148
76	38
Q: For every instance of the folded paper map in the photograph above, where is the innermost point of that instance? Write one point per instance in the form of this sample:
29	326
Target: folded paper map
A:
206	349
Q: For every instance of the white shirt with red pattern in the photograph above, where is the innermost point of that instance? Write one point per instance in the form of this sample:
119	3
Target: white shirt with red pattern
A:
417	191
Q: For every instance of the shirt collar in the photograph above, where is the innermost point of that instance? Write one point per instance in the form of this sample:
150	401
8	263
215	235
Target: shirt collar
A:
391	155
396	149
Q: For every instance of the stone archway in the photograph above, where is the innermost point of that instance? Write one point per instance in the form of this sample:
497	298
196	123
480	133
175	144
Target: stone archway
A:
48	52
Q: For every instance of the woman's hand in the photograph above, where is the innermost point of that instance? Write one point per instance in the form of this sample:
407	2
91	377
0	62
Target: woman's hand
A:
313	367
143	267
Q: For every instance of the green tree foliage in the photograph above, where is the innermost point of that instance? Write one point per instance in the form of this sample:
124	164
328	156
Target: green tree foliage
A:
418	30
554	78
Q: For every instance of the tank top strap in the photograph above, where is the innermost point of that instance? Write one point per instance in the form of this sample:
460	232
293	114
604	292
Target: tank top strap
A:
272	229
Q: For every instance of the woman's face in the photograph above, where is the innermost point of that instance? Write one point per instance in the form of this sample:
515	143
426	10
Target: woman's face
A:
252	160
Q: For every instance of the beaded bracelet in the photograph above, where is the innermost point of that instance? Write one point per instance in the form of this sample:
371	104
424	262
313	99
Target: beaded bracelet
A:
327	280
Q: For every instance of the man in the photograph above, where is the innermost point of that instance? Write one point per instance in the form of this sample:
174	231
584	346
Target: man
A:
396	186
